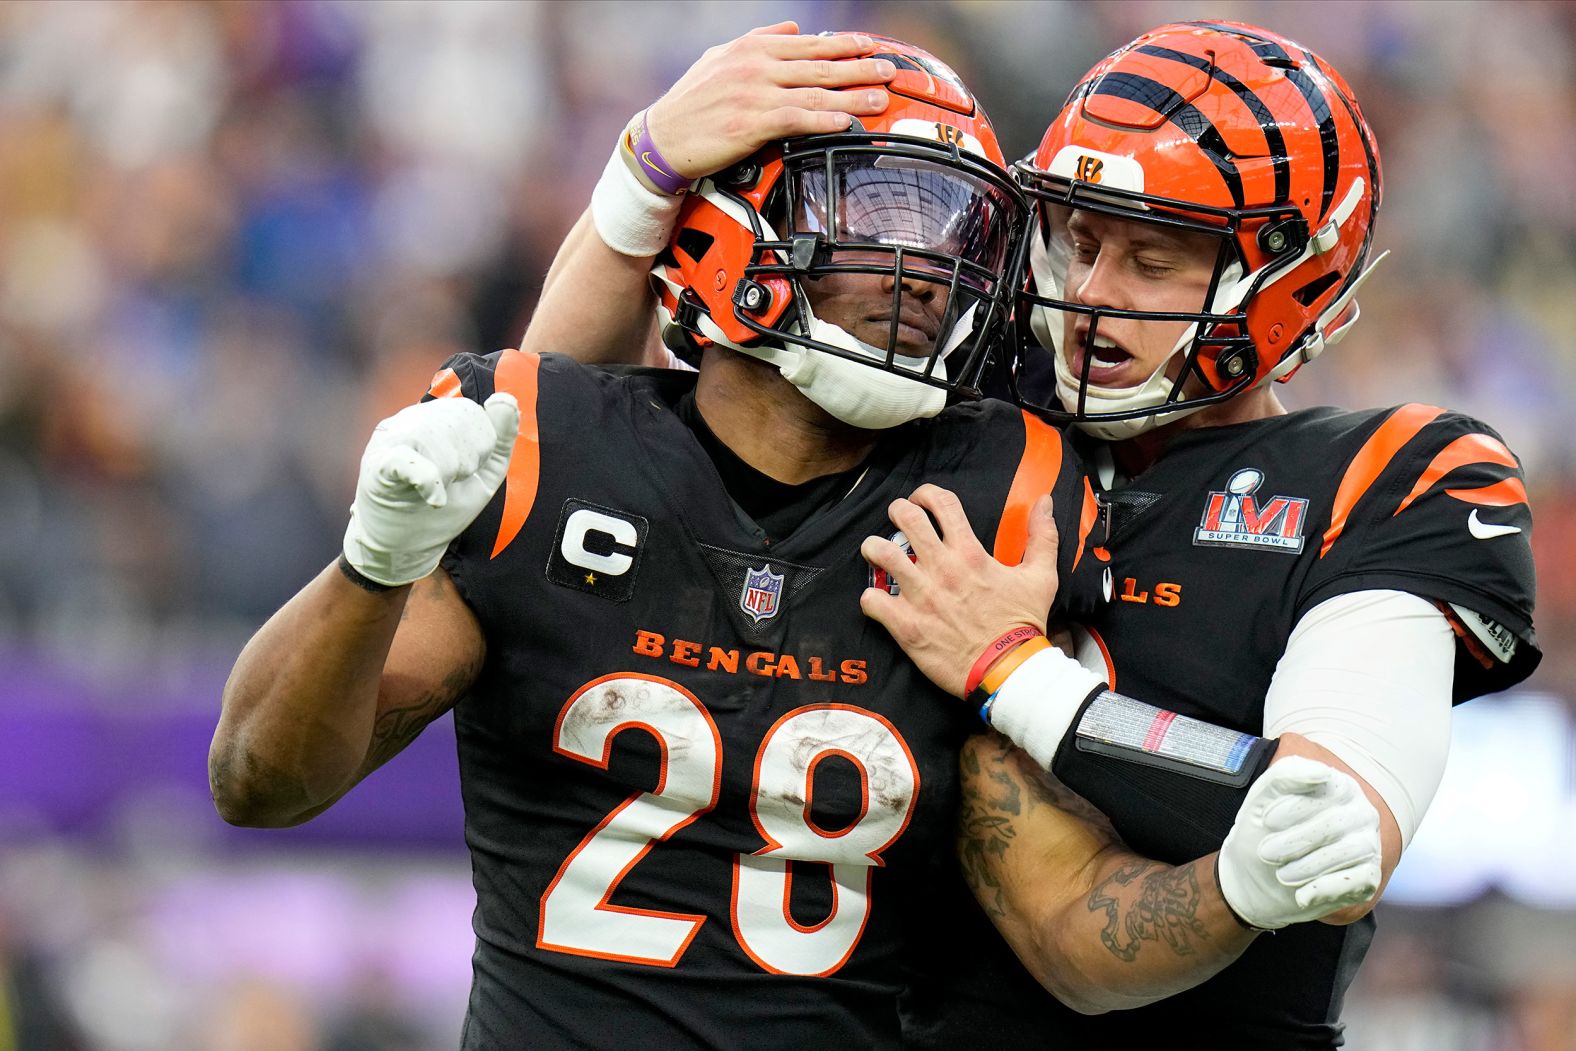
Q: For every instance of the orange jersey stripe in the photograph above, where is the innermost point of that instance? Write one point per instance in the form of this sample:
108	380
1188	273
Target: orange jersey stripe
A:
1037	471
1467	449
1086	520
1371	460
1105	653
445	384
1501	494
517	374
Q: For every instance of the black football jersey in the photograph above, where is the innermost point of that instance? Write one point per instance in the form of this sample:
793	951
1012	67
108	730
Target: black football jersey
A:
700	785
1215	552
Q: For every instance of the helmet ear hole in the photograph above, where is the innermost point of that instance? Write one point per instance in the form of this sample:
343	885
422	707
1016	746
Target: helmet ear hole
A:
1307	294
694	243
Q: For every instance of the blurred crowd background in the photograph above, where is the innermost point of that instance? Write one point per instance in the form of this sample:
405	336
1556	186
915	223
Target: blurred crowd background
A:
233	235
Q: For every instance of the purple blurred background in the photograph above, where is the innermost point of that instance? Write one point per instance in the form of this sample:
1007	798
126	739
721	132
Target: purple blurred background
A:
234	235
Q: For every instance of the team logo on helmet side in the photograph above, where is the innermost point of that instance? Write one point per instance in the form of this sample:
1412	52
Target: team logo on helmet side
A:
880	578
762	594
1233	518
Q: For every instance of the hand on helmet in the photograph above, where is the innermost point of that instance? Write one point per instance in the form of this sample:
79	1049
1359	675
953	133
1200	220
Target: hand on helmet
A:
1305	845
428	470
771	83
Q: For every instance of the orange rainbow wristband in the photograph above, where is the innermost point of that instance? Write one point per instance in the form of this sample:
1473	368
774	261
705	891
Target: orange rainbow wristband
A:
997	675
996	651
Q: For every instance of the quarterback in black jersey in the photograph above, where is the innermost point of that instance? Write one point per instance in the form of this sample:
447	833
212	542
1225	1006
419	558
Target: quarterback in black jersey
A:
702	791
1336	580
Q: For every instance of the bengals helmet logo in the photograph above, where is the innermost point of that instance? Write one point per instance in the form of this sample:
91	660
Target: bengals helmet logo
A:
1088	169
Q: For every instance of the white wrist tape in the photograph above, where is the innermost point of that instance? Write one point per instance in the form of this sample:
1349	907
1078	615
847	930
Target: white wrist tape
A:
1037	703
631	218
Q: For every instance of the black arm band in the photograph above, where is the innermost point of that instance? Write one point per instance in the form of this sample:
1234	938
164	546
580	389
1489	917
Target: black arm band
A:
1171	785
1244	924
365	583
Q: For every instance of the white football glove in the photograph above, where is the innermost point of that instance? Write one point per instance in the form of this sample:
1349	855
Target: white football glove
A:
1305	844
427	472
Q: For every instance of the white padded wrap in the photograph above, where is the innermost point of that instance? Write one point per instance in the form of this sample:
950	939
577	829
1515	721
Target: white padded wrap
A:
859	395
1037	703
631	218
1368	675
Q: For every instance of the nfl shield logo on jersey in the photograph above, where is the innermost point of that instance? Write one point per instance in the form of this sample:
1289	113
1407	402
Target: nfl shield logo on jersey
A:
1235	519
762	593
880	578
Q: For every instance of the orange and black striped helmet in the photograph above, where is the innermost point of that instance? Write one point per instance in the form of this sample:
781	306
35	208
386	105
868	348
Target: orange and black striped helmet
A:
921	190
1203	128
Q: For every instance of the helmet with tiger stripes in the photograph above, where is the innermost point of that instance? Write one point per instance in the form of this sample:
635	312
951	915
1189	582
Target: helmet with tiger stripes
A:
1212	129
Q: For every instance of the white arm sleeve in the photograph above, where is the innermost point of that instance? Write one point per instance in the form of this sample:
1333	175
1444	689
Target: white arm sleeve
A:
1368	675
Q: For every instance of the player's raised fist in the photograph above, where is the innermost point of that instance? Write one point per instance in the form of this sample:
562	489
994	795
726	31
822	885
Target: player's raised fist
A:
1305	845
427	471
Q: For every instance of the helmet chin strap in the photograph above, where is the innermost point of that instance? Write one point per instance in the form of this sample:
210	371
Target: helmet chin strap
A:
858	395
1332	327
1153	391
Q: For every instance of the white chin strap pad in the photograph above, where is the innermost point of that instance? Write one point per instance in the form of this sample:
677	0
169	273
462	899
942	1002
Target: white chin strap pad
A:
859	395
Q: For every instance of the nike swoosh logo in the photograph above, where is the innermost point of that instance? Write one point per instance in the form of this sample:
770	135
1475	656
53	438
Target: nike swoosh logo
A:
645	158
1487	530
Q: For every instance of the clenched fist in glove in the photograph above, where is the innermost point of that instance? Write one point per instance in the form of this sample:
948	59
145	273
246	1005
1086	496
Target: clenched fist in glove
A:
427	472
1305	844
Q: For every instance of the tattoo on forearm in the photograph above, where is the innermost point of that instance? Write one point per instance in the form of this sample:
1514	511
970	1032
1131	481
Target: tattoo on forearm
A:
398	727
1164	908
1046	789
990	801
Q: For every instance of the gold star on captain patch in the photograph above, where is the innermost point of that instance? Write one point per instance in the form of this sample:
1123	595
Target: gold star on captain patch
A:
591	578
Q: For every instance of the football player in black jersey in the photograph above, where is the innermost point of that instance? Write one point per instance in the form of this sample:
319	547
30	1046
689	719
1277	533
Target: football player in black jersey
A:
1204	208
702	791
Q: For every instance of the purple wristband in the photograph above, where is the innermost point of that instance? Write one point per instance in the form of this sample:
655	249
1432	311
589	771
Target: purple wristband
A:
654	165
